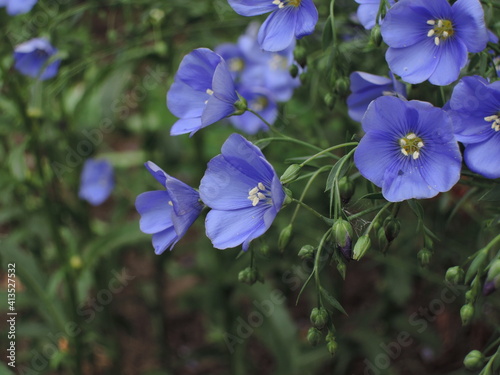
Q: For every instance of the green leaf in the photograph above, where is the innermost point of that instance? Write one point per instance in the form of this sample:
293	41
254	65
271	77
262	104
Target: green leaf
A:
341	163
492	195
477	266
332	300
327	38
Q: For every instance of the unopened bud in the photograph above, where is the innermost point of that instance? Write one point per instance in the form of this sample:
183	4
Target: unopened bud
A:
332	347
361	247
329	100
306	252
294	71
474	360
346	188
376	36
470	296
76	262
382	239
455	275
313	336
342	85
300	55
391	227
341	267
342	230
319	317
291	174
288	196
494	270
265	250
424	256
466	313
240	105
248	276
285	237
304	78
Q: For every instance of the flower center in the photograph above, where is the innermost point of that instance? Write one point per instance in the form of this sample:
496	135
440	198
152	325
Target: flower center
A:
495	121
259	193
259	104
283	3
236	64
411	145
441	31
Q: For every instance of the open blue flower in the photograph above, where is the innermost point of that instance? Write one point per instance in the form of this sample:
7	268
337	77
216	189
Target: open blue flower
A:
97	181
167	214
203	92
15	7
244	192
367	12
366	87
475	111
32	57
430	40
289	19
408	150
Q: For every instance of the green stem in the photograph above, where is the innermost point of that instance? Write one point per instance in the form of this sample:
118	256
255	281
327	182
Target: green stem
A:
386	206
367	211
325	151
316	262
312	210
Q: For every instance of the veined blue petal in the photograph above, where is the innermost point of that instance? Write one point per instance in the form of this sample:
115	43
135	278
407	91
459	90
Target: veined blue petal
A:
216	110
469	129
184	101
164	239
223	84
186	125
156	172
307	17
277	31
252	7
452	58
197	69
468	17
483	158
155	211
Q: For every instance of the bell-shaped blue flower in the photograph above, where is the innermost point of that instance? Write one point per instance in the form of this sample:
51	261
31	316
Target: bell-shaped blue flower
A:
367	12
97	181
244	192
289	20
203	92
15	7
366	87
32	57
475	111
167	214
408	150
430	40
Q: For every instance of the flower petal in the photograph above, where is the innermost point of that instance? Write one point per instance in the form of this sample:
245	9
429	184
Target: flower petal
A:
155	211
164	239
483	158
252	7
468	19
184	101
307	17
277	31
452	58
186	125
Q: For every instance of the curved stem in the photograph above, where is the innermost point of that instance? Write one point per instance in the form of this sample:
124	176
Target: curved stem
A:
325	151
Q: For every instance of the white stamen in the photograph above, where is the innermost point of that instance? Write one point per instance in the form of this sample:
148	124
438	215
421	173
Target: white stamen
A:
276	2
431	32
420	144
411	136
255	201
404	152
254	191
402	142
440	23
491	118
431	22
170	203
445	34
209	92
261	186
415	155
260	195
436	41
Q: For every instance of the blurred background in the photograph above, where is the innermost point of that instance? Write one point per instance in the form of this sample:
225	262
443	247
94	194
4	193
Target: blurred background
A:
90	294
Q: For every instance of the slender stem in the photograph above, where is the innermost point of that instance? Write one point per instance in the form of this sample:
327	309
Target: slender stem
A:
312	210
325	151
386	206
367	211
316	262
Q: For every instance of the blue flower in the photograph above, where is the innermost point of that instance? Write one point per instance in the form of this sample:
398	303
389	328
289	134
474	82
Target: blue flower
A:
167	214
31	59
289	19
366	87
203	92
15	7
408	150
475	111
244	192
430	40
97	181
367	12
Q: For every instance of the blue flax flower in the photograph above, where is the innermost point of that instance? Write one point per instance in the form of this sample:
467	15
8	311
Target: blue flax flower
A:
475	111
289	19
31	59
15	7
203	92
430	40
244	192
408	150
367	12
366	87
167	214
97	181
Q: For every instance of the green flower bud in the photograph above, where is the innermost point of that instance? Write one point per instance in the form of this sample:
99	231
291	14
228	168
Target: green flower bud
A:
306	252
346	188
248	276
300	55
288	196
361	247
294	71
313	336
329	100
455	275
494	270
342	85
474	360
392	226
291	174
382	239
470	296
332	347
319	317
424	256
342	230
466	313
376	36
428	242
341	267
265	250
241	105
285	237
76	262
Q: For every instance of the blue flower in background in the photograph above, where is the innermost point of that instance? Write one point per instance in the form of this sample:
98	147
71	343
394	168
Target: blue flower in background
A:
367	12
15	7
430	40
408	150
475	111
244	192
289	19
261	101
97	181
31	59
366	87
203	92
167	214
